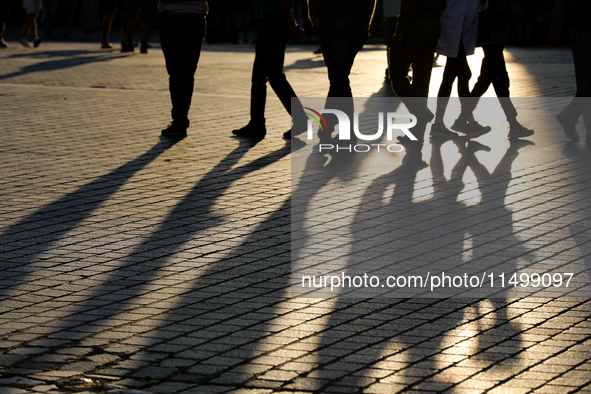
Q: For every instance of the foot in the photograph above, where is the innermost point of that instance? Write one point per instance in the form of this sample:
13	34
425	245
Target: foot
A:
460	125
144	47
3	43
318	51
37	42
176	129
475	130
517	130
24	42
127	47
438	130
106	45
251	131
568	126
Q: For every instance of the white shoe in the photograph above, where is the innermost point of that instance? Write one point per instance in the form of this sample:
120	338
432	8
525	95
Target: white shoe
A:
24	42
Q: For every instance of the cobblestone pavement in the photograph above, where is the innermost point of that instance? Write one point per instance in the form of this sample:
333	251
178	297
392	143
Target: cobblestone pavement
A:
131	263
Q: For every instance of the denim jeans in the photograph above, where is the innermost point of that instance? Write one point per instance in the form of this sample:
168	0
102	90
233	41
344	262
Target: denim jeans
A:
341	40
268	66
181	38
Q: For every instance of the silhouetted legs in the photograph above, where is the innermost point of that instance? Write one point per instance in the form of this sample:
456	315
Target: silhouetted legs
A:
181	38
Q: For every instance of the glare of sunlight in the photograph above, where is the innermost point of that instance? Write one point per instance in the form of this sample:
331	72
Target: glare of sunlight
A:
450	157
388	194
470	194
423	186
467	248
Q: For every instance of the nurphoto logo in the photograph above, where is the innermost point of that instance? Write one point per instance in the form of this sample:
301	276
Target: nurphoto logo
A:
344	133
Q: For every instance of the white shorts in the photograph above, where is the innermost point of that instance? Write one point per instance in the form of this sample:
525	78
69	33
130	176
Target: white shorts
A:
32	6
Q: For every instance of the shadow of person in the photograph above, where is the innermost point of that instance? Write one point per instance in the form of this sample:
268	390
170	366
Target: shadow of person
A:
305	64
411	343
371	341
58	60
189	231
496	248
23	243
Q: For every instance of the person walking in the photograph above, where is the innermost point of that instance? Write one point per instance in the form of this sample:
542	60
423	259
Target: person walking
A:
4	14
343	28
32	10
580	35
493	34
182	28
413	44
459	27
278	26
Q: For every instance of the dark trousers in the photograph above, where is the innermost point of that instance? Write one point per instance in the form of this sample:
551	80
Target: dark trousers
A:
181	38
418	49
268	66
341	40
581	105
454	68
493	71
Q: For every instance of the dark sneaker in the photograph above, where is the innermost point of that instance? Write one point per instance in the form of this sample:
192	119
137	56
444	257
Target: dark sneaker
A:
568	127
438	130
144	47
37	42
127	47
518	130
176	129
251	131
460	125
475	130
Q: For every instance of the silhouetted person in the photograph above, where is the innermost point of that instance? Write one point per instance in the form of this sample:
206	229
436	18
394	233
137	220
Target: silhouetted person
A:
414	43
459	24
32	10
343	30
277	26
141	13
580	35
4	13
182	28
493	34
391	10
108	14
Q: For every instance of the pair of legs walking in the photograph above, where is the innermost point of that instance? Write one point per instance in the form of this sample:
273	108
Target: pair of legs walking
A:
494	72
268	67
341	40
418	50
181	38
581	104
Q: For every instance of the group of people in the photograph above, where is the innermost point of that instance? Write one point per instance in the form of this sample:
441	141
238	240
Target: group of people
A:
453	28
140	14
343	29
424	27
